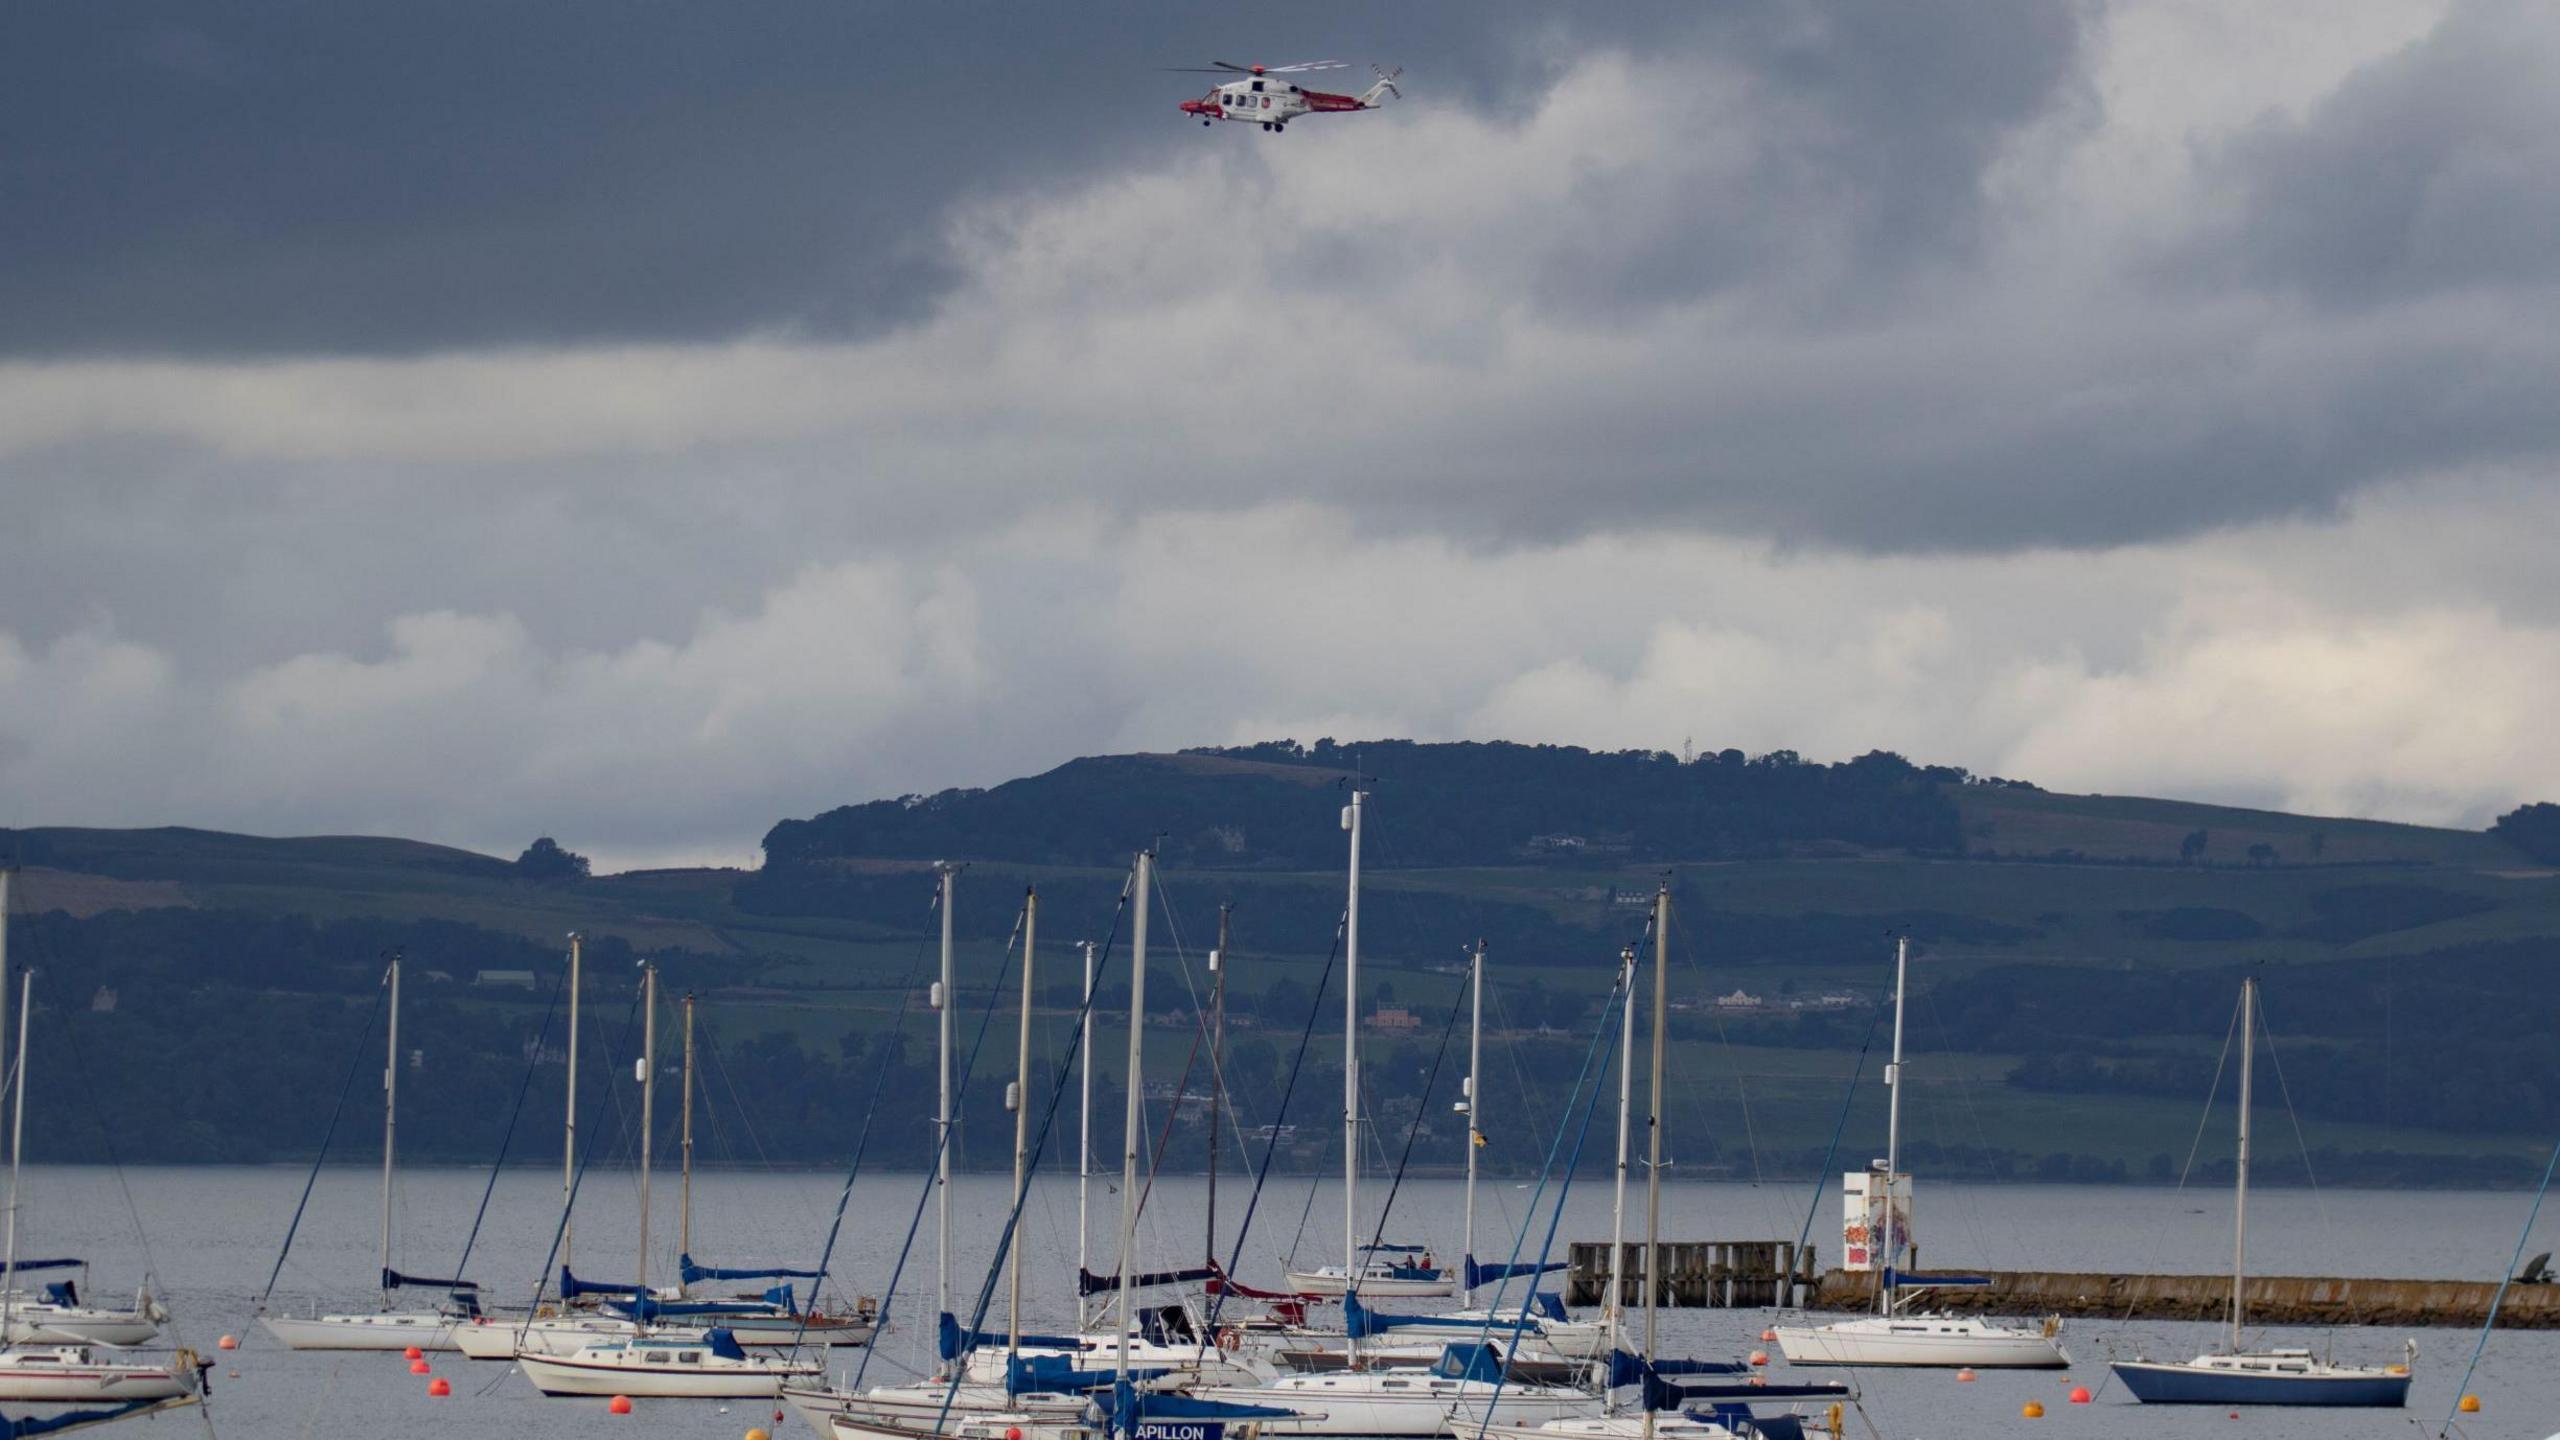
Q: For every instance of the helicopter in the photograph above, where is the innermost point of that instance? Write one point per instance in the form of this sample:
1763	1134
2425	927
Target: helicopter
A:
1257	95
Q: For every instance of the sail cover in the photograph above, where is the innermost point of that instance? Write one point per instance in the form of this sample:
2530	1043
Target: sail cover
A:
571	1287
1479	1273
1088	1283
393	1280
952	1341
1905	1280
695	1274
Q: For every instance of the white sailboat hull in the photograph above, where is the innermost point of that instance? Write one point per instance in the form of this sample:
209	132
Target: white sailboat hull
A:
44	1324
1395	1403
921	1405
707	1378
67	1374
1923	1341
396	1330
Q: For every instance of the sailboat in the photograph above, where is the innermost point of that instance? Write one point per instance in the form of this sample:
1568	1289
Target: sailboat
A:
386	1328
1469	1421
1386	1402
64	1372
2258	1377
1546	1340
499	1337
708	1364
60	1316
1897	1335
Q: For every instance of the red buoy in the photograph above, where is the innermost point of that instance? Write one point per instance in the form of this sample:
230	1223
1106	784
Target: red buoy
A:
1759	1357
2079	1394
1013	1432
420	1366
618	1405
1768	1335
1965	1375
439	1387
413	1353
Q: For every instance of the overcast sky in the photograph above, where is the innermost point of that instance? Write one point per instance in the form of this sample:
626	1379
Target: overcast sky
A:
641	423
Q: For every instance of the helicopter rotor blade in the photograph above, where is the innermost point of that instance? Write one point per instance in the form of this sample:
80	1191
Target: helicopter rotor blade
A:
1305	65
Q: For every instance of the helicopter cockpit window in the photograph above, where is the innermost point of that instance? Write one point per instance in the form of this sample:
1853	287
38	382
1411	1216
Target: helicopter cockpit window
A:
1257	87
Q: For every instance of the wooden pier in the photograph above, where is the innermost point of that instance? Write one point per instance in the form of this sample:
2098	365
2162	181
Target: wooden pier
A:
1698	1274
2272	1299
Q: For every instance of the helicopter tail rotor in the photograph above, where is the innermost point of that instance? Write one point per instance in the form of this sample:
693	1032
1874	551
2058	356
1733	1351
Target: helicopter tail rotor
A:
1386	86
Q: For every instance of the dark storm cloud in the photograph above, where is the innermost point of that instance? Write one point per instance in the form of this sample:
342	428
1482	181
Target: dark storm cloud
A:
373	178
2432	171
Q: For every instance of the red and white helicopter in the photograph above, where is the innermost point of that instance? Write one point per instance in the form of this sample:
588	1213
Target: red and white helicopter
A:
1257	94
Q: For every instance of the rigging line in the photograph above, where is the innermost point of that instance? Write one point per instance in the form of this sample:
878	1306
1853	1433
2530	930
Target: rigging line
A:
355	1062
1724	1038
1607	1034
2522	1239
942	1142
1279	1118
892	1050
1831	1156
1972	1114
2267	1028
1621	991
506	1138
614	1054
1457	1007
1172	1112
1013	1219
2195	1147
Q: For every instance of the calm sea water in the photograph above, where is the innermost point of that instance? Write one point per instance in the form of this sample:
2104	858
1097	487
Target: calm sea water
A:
212	1234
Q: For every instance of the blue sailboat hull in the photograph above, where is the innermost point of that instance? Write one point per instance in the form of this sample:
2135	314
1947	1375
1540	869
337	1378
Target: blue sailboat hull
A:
2164	1384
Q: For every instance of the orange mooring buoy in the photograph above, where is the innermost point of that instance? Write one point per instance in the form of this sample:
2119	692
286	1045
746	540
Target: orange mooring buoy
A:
439	1387
618	1405
1759	1357
1965	1376
2470	1405
227	1342
2032	1410
1768	1335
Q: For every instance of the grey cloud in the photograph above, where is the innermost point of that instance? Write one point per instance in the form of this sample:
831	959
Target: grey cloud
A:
372	178
2430	171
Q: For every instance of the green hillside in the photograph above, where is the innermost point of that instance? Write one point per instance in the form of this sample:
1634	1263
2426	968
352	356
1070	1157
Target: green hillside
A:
2075	955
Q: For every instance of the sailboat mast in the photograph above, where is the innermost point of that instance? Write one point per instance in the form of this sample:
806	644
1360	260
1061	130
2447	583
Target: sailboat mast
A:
17	1146
1653	1130
1217	1067
1893	1126
648	1099
1475	1127
1351	1063
2240	1195
1084	1144
684	1193
1133	1114
569	1138
1615	1311
942	1001
390	1108
1021	1092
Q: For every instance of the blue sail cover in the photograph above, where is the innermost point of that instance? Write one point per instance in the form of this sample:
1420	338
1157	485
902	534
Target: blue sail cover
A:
1629	1369
1058	1375
723	1343
26	1265
1393	1249
643	1307
1362	1322
1482	1274
695	1274
63	1292
951	1341
1904	1280
571	1287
